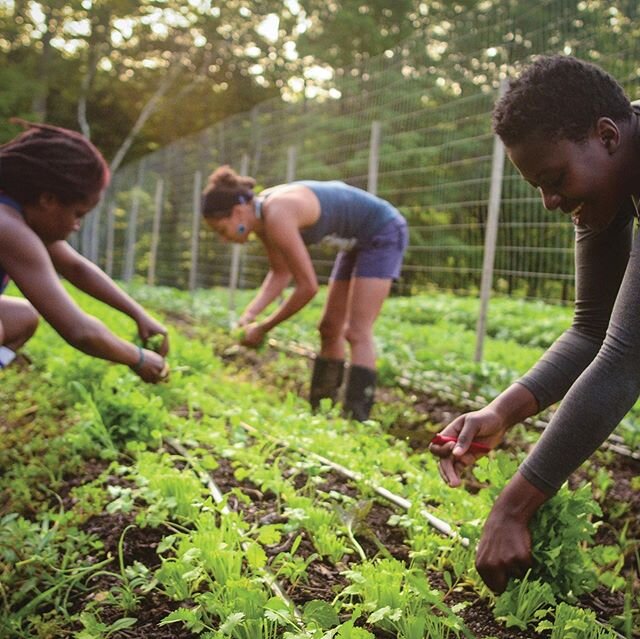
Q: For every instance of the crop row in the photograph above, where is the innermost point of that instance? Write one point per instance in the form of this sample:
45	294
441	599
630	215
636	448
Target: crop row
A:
426	340
110	529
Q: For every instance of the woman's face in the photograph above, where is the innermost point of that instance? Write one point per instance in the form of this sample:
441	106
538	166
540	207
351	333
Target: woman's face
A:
582	179
53	220
231	228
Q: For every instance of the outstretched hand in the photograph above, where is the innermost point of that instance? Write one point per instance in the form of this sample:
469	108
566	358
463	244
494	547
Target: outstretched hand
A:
152	367
148	328
253	336
480	427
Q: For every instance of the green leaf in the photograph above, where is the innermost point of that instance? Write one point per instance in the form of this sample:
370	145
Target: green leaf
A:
321	613
256	555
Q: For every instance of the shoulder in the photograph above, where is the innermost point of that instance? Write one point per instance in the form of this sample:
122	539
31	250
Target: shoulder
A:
288	200
17	239
13	229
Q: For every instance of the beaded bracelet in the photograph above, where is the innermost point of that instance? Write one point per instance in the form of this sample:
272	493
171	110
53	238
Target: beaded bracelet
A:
136	367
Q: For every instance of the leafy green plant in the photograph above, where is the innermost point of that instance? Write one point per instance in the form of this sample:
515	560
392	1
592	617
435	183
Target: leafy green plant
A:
524	602
401	601
96	629
560	531
575	623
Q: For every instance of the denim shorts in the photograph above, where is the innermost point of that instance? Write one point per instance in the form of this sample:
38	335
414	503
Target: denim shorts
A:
380	256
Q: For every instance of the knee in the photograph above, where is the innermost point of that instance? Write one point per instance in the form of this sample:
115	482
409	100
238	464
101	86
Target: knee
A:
357	335
31	323
29	320
330	329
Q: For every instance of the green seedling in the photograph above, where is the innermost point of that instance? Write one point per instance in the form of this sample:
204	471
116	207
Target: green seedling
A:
239	333
524	602
155	342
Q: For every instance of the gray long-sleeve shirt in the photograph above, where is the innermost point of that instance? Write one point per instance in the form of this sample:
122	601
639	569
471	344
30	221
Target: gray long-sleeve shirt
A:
595	364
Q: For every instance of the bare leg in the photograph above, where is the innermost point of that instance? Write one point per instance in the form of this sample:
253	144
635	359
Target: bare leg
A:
18	322
367	294
333	323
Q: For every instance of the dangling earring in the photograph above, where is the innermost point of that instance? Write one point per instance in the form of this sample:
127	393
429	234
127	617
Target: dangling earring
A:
241	229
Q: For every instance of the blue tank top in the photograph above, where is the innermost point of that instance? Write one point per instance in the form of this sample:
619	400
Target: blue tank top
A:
348	215
9	201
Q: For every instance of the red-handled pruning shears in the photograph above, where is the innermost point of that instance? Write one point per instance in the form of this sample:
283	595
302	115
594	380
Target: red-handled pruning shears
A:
439	440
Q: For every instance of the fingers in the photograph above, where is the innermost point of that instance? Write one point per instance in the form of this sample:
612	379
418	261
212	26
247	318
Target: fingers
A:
450	471
154	368
497	576
466	436
164	347
452	430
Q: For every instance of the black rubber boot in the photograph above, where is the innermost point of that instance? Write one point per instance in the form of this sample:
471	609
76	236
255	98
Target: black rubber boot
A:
359	395
326	380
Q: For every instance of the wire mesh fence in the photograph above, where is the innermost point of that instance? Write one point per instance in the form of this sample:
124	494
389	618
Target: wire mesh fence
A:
412	125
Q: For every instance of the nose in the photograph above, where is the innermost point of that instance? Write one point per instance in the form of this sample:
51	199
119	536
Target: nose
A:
550	201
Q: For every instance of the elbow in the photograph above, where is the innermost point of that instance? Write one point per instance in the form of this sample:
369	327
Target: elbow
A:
83	336
309	290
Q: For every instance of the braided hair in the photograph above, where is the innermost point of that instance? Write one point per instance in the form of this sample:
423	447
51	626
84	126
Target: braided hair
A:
50	159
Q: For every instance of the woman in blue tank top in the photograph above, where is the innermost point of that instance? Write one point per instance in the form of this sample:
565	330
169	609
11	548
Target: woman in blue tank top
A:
371	236
50	178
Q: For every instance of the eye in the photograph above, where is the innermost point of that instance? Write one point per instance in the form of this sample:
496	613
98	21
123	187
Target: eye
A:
554	183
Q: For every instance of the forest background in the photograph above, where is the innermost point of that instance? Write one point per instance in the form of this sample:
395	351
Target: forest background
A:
168	90
134	76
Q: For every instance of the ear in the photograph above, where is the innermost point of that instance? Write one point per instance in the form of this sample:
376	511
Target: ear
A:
608	133
47	200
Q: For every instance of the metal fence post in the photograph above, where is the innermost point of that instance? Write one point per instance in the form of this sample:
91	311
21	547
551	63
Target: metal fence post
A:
132	227
155	232
195	229
95	233
374	156
491	235
292	157
236	252
85	236
111	212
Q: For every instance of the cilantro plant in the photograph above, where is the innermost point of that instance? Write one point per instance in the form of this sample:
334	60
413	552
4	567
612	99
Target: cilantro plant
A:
560	531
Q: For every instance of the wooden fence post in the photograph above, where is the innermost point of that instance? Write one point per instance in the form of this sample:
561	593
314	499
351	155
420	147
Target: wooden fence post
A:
491	235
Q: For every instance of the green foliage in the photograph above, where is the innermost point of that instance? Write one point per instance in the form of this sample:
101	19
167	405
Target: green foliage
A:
127	411
401	601
39	563
575	623
524	602
560	531
93	628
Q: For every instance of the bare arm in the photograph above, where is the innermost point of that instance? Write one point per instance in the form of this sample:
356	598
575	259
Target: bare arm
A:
289	254
288	257
274	283
86	276
27	262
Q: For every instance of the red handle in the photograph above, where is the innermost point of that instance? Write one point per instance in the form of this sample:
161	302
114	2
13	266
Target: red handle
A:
438	440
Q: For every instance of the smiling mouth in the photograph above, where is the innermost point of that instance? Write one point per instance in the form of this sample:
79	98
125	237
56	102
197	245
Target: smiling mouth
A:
575	213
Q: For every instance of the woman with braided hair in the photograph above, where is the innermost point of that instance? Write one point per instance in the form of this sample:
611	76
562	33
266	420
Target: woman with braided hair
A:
371	236
50	178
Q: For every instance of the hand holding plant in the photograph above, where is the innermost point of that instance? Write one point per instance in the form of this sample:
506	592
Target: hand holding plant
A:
254	335
151	367
153	334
